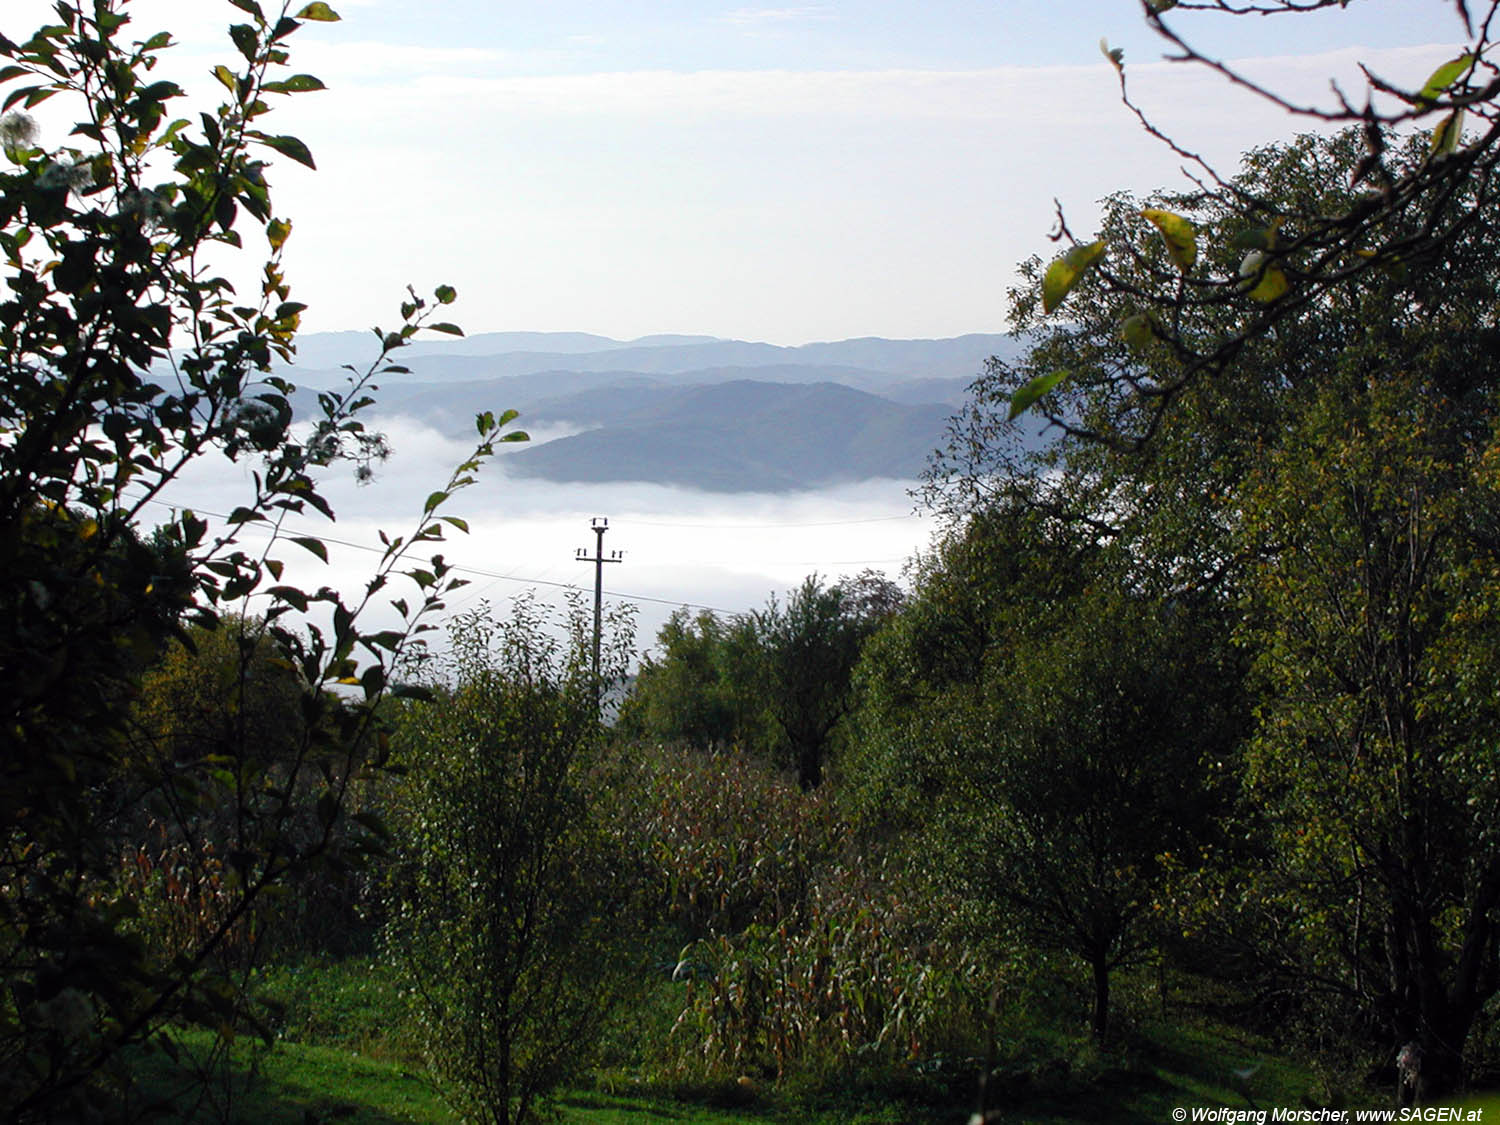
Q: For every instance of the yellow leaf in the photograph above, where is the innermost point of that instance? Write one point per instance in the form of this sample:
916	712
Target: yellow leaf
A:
1263	281
1137	330
1064	273
1180	236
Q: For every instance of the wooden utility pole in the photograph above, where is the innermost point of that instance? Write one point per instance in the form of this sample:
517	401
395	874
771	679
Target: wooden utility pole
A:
600	524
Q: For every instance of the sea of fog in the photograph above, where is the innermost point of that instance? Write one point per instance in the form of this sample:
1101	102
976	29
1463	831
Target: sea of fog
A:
723	551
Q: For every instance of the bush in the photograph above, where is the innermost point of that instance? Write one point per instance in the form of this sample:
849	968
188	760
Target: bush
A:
127	357
510	905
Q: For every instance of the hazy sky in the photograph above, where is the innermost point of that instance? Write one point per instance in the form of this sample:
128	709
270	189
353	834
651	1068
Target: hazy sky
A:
789	173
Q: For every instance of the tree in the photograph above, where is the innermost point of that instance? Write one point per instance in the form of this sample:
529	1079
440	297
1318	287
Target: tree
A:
124	358
701	689
1405	206
1330	485
811	646
1093	781
1055	756
1374	763
777	679
510	906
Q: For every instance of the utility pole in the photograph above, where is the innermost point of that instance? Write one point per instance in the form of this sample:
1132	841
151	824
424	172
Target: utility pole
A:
600	524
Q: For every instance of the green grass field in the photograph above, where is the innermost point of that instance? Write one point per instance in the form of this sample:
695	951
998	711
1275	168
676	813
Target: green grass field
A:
342	1056
1162	1070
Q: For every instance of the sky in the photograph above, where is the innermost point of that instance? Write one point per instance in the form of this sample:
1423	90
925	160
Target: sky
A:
783	173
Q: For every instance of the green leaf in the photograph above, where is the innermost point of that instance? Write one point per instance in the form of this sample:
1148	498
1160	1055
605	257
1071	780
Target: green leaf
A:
1180	236
296	84
1115	55
450	329
290	146
291	595
318	11
246	40
1444	77
277	232
1025	396
1137	330
1446	136
445	294
316	546
1065	272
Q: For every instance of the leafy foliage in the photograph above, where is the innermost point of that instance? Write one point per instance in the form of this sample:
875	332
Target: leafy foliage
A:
1328	484
703	688
1412	194
777	679
1373	762
125	357
1052	755
510	904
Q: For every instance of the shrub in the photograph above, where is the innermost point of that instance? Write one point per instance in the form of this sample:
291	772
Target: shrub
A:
510	906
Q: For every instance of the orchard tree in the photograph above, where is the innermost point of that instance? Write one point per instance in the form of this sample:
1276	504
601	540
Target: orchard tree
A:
1093	779
1332	485
510	903
1404	206
1371	619
125	358
1058	756
811	645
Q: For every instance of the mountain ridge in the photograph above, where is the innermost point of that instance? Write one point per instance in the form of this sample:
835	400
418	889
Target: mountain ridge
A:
695	411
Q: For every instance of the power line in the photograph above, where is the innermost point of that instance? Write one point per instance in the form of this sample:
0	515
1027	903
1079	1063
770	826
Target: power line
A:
616	594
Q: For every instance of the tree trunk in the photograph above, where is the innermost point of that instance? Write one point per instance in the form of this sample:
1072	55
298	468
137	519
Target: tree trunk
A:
1101	996
809	766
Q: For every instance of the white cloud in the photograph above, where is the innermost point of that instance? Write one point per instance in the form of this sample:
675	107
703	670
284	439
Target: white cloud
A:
759	17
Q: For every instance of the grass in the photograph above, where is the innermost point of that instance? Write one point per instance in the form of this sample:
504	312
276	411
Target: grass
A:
293	1083
1165	1068
342	1053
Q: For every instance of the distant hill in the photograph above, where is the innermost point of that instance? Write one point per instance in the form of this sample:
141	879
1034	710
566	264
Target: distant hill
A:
726	415
741	436
504	354
331	350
